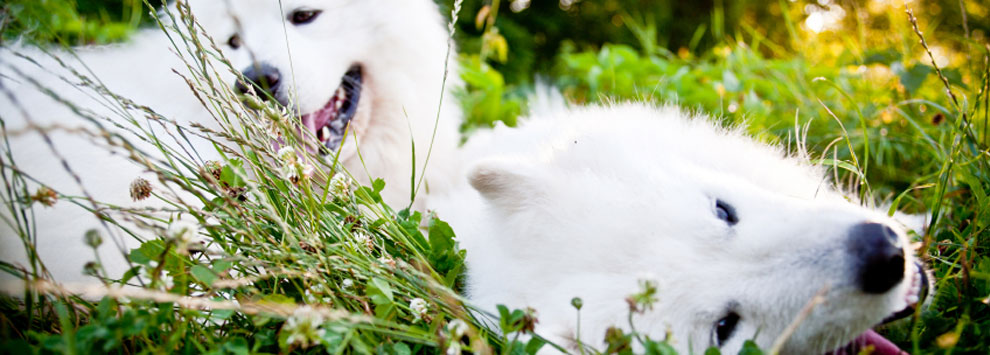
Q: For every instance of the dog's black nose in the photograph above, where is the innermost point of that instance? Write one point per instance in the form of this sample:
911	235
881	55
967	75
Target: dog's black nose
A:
265	79
877	256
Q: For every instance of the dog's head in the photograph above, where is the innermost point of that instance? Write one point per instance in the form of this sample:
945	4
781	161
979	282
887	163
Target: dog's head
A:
320	58
743	241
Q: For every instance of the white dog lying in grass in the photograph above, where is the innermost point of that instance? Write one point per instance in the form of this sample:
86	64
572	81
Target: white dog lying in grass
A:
738	237
370	68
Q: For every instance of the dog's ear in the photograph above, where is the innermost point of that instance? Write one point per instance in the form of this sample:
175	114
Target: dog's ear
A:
505	183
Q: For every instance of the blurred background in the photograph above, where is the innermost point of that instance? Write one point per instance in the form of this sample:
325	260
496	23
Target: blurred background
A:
852	72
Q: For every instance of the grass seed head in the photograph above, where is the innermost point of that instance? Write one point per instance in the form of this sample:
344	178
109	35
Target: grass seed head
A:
45	196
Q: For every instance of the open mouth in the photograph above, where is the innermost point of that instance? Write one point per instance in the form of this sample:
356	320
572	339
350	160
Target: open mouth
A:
882	346
329	124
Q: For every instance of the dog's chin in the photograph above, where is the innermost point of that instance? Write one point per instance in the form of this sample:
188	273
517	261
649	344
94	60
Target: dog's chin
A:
917	292
329	124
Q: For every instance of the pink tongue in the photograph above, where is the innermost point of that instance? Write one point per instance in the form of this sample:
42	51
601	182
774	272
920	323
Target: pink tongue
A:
881	346
318	119
311	123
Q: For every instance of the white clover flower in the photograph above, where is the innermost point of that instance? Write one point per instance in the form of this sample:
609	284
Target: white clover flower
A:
318	288
287	154
293	168
289	172
457	328
385	259
185	235
454	348
363	240
304	327
307	170
419	307
347	284
340	187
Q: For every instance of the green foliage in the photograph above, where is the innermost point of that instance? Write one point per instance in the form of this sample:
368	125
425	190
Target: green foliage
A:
73	22
486	99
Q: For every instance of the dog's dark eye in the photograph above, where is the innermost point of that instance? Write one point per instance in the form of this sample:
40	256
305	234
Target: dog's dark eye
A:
725	327
725	212
302	17
234	41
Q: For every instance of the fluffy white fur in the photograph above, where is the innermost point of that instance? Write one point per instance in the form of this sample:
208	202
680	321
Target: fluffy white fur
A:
399	44
586	202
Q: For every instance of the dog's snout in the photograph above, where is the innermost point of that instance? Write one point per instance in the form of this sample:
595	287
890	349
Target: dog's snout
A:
265	79
878	257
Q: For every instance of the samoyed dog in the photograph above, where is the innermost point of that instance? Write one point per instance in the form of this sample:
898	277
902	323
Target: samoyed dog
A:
370	70
740	239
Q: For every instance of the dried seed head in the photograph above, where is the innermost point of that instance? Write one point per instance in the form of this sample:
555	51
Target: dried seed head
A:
529	321
212	168
45	196
140	189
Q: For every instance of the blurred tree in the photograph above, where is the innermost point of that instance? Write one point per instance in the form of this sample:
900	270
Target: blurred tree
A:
537	30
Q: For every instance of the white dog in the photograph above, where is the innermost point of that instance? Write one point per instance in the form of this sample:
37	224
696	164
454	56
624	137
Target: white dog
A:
370	68
738	236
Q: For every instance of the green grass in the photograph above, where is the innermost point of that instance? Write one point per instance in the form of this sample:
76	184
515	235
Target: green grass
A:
322	265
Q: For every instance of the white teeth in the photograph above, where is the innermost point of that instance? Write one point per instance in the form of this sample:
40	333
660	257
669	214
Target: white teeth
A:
325	133
912	299
341	94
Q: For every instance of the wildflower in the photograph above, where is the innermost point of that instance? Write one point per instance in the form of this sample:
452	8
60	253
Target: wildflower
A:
140	189
213	169
364	240
307	171
294	169
385	259
457	328
419	307
289	172
643	300
287	154
185	236
304	327
93	238
45	196
340	187
617	340
318	288
529	321
454	348
347	284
